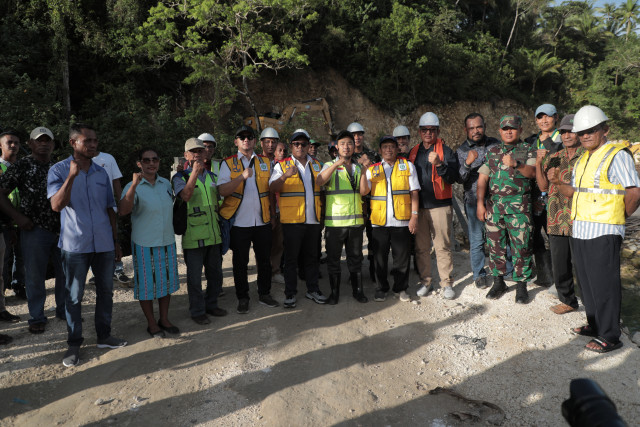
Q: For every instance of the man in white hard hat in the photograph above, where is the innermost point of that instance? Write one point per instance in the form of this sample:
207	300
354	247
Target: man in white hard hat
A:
402	134
269	138
437	169
209	149
547	141
605	190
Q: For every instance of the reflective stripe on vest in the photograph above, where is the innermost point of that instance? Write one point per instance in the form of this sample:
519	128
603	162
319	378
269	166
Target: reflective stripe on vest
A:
400	192
595	198
232	202
292	200
202	220
344	204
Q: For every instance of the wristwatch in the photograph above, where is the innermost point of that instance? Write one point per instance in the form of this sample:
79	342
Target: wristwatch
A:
414	213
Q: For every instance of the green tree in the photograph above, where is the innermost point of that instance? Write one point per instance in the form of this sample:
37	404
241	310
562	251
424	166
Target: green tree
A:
532	65
629	15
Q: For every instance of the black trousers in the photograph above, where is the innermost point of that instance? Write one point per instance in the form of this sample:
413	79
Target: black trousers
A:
562	260
301	239
539	223
598	267
241	239
349	237
396	239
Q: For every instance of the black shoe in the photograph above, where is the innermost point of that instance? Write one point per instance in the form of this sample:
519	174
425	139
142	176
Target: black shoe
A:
522	296
482	282
356	286
267	300
334	283
171	329
243	306
5	316
380	296
201	320
71	357
217	312
498	288
156	334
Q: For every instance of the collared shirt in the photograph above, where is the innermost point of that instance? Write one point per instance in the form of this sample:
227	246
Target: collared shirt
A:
30	178
414	185
307	181
152	214
622	170
85	225
179	183
469	173
249	213
559	220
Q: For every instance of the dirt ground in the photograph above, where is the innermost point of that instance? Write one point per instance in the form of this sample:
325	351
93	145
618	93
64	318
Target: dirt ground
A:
349	364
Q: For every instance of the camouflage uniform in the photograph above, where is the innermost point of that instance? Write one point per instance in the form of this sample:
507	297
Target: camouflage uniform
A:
509	210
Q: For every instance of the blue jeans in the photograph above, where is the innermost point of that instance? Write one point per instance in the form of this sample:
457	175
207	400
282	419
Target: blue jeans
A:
13	264
211	258
76	266
38	246
477	240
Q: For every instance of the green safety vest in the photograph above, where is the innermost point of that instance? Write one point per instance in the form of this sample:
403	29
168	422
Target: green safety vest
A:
215	168
14	197
203	228
344	204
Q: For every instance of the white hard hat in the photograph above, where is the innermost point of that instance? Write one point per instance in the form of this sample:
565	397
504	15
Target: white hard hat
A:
429	119
587	117
269	133
401	131
355	127
302	131
207	137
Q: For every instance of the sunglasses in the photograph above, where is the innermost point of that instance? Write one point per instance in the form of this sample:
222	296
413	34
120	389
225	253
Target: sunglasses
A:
428	130
147	160
589	131
243	137
300	144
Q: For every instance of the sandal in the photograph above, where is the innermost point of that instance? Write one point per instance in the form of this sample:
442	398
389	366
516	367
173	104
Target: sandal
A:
604	346
562	308
586	331
157	334
36	328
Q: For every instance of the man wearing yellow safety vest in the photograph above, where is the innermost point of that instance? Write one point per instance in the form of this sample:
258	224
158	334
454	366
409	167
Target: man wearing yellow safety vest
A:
605	190
394	187
244	184
296	179
343	217
202	242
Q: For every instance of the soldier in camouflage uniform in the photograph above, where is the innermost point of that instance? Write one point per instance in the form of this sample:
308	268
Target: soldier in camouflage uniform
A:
505	180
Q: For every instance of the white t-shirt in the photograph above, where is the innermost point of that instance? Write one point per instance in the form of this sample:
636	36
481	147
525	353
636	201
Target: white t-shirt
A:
414	184
106	161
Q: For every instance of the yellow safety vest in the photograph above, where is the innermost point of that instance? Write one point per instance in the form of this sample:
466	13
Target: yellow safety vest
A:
262	173
595	198
293	194
399	191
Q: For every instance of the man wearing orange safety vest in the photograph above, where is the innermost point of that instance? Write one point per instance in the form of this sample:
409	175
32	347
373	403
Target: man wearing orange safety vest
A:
437	168
394	187
296	179
244	184
605	190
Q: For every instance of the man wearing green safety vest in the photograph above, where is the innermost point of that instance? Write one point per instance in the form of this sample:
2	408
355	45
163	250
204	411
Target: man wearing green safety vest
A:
343	217
202	242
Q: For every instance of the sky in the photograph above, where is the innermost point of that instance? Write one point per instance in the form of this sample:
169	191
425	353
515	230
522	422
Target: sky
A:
600	3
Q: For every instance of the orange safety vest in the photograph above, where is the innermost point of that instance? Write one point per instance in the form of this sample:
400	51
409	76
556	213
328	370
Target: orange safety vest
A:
400	192
293	194
441	189
262	173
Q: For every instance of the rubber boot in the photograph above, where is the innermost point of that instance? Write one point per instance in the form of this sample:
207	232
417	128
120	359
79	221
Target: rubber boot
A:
356	285
498	288
334	283
543	269
522	296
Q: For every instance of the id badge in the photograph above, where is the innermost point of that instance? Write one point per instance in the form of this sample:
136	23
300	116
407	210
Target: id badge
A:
316	167
263	167
402	166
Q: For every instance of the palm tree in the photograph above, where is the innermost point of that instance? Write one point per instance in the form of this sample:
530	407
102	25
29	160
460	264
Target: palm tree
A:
536	64
610	17
630	15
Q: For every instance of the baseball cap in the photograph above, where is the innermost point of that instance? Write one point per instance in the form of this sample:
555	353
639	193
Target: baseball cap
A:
299	134
38	132
341	135
192	144
547	109
567	122
388	138
511	121
245	129
9	131
314	142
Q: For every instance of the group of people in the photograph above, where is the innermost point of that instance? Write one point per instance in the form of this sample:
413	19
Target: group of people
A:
279	204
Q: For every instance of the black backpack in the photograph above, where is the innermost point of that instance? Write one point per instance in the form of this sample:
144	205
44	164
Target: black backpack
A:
180	213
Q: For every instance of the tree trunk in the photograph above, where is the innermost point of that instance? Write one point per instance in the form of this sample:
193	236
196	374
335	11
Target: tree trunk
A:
513	27
247	95
66	91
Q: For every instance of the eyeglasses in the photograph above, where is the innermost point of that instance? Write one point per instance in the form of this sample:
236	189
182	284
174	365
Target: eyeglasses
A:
589	131
300	144
147	160
428	130
243	137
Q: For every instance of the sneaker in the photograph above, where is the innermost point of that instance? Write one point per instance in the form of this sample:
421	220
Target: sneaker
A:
425	290
482	282
217	311
449	293
289	302
111	342
404	296
71	357
125	281
243	306
277	278
5	316
380	296
267	300
317	297
201	320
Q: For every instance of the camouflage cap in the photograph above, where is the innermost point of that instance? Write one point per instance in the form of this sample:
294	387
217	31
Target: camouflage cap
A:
511	121
567	122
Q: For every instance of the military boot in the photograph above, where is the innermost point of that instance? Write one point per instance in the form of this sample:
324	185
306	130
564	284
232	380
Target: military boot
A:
356	285
522	296
334	283
498	288
544	276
